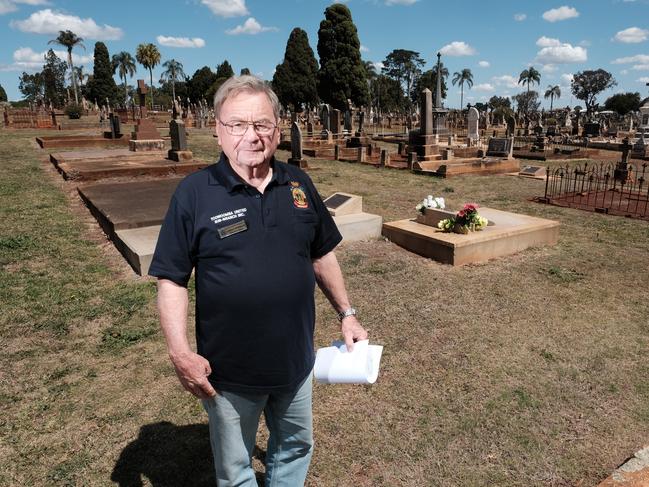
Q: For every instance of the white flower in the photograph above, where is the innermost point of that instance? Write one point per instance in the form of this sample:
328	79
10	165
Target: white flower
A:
440	203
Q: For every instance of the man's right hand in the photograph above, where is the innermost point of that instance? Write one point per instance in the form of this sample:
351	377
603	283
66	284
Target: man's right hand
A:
192	371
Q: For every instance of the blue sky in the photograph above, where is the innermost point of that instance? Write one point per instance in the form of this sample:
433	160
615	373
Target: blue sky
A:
496	39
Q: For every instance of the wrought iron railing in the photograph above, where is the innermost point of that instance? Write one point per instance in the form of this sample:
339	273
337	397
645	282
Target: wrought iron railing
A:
614	188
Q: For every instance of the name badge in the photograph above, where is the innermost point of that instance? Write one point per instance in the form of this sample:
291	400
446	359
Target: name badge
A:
228	230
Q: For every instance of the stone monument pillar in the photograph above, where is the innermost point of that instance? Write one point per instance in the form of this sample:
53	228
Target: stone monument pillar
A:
422	142
178	151
296	158
146	136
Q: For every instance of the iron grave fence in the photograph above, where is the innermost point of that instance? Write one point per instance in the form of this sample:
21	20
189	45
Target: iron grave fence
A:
612	188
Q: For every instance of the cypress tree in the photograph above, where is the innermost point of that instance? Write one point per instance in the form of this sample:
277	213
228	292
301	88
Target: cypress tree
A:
295	80
342	73
53	77
3	94
224	70
102	85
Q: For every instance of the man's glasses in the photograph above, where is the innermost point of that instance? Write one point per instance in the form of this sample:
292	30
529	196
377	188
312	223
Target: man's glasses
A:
239	128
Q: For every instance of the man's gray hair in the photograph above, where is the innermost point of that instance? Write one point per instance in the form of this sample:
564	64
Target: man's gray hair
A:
244	84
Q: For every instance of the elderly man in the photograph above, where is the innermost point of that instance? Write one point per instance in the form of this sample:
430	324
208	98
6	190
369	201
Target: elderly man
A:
258	237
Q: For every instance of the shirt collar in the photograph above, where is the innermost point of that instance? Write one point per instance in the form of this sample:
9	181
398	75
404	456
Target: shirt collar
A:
223	174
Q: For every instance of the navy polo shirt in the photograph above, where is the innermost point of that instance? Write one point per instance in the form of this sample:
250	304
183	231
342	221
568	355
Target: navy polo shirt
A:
252	255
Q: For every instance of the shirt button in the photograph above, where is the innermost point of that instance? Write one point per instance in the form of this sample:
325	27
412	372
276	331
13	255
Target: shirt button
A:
257	196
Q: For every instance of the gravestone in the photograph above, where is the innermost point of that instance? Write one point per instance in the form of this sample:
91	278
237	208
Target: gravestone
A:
178	151
427	112
621	172
592	129
334	122
115	129
639	148
511	126
324	118
353	224
146	136
472	124
296	158
536	172
348	121
361	123
500	147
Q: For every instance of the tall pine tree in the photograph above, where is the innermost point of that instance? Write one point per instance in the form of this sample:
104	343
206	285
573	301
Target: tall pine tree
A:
296	80
3	94
342	74
102	85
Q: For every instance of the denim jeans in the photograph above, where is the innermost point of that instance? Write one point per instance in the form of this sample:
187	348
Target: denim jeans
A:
234	419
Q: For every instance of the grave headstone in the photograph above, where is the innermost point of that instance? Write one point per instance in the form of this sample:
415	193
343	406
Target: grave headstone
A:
334	122
499	147
533	172
296	158
472	124
178	151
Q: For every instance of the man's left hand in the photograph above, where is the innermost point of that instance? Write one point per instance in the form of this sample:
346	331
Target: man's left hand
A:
352	331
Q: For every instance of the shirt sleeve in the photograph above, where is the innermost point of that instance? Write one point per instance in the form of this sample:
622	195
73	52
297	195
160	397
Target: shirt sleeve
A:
173	258
327	236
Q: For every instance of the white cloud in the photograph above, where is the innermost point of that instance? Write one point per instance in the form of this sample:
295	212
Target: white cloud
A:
632	35
51	22
364	48
32	2
250	27
26	59
180	41
506	80
638	58
624	72
566	79
562	53
484	87
458	48
378	66
549	68
389	3
640	67
547	42
520	17
6	6
561	13
484	64
584	43
227	8
644	79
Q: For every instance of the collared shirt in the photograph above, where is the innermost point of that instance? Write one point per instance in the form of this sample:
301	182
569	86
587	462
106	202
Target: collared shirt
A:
252	255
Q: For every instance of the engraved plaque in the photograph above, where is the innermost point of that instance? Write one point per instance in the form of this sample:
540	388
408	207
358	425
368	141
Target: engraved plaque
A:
335	200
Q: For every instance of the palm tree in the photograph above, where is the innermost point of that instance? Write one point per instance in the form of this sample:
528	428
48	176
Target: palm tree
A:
443	69
551	92
174	70
69	39
124	63
529	76
149	57
464	76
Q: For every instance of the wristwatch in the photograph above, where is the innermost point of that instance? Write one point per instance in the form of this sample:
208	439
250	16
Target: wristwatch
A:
344	314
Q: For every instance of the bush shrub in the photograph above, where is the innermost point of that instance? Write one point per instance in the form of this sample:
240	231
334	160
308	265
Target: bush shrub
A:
73	111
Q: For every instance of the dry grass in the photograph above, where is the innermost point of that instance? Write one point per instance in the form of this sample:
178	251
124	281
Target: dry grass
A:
523	371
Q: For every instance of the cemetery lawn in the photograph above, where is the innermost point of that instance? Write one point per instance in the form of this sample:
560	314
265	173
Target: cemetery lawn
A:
529	370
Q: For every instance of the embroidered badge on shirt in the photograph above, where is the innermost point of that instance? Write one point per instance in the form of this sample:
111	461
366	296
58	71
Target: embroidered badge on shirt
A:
299	196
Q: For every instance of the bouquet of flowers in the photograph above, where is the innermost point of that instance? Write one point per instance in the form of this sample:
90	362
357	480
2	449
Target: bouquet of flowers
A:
430	202
467	220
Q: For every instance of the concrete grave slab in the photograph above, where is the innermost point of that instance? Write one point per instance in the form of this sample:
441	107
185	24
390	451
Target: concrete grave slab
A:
137	246
48	142
359	226
134	204
93	170
510	233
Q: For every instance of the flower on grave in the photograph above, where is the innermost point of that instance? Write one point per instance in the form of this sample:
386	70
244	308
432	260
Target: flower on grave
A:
431	202
466	220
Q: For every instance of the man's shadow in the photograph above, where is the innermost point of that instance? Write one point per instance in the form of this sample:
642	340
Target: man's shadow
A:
170	456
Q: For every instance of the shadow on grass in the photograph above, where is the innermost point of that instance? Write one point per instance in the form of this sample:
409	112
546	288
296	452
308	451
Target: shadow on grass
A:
169	456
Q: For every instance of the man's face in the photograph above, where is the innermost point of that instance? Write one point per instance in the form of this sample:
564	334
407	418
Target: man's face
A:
249	150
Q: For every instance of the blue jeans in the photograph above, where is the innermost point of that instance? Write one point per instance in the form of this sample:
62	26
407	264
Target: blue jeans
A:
234	419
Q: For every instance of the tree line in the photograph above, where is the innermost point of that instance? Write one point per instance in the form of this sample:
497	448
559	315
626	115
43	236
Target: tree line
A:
300	81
